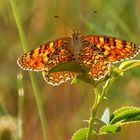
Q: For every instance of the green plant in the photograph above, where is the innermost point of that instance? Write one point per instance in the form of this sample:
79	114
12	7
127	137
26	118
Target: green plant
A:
120	117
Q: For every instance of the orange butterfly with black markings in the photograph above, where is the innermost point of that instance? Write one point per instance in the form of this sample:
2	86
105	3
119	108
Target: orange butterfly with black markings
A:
96	52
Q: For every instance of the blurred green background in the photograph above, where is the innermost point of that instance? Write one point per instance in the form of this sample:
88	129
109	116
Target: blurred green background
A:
66	106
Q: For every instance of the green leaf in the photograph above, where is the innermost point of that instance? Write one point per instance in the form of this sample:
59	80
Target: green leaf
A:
119	111
120	117
129	64
131	120
125	115
107	129
68	66
106	116
81	134
84	77
74	67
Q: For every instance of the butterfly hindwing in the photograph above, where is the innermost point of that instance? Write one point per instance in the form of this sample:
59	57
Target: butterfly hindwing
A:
100	69
92	57
56	78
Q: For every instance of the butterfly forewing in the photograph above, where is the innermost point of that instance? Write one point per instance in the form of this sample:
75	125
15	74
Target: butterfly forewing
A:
37	58
114	49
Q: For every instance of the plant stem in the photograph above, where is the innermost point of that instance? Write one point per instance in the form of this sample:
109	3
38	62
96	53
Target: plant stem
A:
106	87
98	98
93	114
34	82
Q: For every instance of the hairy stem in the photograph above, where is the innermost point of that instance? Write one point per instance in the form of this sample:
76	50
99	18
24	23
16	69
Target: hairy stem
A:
98	99
93	114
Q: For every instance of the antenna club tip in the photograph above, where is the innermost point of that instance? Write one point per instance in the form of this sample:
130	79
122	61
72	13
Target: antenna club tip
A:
95	11
55	16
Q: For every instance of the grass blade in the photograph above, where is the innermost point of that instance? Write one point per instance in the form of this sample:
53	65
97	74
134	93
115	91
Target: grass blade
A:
32	76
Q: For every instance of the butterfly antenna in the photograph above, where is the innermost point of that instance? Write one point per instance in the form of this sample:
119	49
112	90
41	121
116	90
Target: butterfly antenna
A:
64	22
93	12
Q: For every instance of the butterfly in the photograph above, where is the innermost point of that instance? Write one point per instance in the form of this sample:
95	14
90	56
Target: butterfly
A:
96	52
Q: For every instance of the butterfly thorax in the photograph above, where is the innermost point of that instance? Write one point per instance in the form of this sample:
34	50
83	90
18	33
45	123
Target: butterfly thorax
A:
76	44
